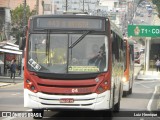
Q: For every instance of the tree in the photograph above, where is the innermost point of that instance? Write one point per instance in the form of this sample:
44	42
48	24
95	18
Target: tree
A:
157	3
17	20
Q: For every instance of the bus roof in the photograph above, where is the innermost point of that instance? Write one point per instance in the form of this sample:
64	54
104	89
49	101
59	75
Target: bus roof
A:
116	29
69	16
74	12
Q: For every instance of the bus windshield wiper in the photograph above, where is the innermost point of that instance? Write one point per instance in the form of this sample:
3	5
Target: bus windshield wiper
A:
79	39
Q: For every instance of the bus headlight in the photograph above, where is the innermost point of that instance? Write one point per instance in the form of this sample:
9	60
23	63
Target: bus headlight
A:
31	86
102	87
124	79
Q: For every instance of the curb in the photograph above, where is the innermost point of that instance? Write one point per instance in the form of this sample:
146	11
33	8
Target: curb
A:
158	101
9	84
15	81
4	84
147	76
151	101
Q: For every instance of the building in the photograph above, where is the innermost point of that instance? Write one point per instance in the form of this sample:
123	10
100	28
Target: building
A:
5	19
42	7
8	52
153	46
121	12
33	4
89	6
110	4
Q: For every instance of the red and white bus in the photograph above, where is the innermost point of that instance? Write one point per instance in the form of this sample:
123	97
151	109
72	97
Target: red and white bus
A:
73	62
129	67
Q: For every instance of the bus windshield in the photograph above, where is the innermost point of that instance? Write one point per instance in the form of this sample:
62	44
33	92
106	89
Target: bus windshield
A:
89	54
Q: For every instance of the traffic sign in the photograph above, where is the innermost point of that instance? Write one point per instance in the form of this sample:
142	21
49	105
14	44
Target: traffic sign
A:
143	31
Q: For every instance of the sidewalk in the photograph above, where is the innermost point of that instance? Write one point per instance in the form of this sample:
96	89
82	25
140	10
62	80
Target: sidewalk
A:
152	75
148	75
5	81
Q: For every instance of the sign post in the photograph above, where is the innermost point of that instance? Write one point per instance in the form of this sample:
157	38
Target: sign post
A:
143	31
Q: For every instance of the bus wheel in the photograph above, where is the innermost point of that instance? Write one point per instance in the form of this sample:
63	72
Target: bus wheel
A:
130	90
38	113
125	93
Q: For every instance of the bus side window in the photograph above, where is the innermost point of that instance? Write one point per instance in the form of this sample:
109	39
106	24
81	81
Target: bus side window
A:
115	46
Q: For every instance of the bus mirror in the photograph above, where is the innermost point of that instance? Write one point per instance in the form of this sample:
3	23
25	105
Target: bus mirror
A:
22	43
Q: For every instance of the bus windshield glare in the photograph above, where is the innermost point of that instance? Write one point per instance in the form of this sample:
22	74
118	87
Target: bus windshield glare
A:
88	55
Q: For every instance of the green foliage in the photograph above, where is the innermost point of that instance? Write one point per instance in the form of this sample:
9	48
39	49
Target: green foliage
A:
17	20
157	3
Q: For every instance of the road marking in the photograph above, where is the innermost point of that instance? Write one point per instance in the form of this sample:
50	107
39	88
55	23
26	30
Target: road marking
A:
143	85
16	93
146	81
12	85
29	110
151	100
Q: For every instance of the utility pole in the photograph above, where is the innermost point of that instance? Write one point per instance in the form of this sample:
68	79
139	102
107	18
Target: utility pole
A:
23	34
24	14
42	6
83	5
37	7
66	5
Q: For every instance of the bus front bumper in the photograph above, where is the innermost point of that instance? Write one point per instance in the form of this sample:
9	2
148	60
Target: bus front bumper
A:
86	102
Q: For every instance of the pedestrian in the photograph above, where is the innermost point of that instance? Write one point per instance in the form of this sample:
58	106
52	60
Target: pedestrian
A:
13	69
19	69
155	57
158	65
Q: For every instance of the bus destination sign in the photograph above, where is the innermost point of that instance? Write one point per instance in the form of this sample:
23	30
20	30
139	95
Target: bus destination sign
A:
69	23
143	31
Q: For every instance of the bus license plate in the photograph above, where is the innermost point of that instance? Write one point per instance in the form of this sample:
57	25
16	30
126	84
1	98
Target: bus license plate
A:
66	100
